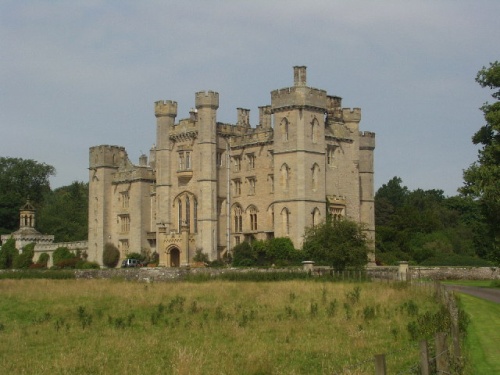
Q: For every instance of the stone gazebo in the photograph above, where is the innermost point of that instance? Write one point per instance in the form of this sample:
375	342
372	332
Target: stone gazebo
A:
27	233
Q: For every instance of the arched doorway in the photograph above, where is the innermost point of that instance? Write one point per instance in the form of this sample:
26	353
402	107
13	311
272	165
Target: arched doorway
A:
175	257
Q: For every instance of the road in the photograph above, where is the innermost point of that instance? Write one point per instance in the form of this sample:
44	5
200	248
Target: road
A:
490	294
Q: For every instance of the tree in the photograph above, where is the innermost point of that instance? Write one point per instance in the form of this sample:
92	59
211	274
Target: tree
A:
64	213
339	243
20	179
8	254
482	178
61	254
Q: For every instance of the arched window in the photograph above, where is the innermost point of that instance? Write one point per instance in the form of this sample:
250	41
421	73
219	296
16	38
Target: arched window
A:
238	219
253	218
179	214
285	215
188	213
315	216
284	173
315	176
315	130
284	129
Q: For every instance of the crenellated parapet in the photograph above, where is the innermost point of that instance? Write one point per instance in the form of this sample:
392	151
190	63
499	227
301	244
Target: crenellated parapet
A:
107	156
165	108
366	140
207	99
298	97
351	114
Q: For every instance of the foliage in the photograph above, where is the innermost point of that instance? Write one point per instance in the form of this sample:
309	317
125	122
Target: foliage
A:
276	251
338	243
8	254
61	254
43	259
25	259
137	256
200	256
64	213
481	178
110	255
20	179
38	274
421	224
456	260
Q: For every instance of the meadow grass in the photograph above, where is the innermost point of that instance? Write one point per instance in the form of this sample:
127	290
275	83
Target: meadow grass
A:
483	334
218	327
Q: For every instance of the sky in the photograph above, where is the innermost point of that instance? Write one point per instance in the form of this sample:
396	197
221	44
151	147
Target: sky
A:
76	74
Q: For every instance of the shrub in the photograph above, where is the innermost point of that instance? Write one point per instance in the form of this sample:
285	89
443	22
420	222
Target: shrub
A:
61	254
8	253
110	255
25	259
43	259
68	263
200	256
243	255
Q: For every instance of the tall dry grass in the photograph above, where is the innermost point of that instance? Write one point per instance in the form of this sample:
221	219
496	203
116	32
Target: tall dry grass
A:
291	327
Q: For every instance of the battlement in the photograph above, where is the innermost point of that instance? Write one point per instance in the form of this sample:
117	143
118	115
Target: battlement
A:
165	108
298	96
366	140
107	156
207	99
333	102
351	114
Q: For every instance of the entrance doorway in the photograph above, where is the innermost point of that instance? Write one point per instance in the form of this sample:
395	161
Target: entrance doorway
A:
175	257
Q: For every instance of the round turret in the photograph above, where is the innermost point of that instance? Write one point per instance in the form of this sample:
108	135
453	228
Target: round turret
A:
165	108
207	99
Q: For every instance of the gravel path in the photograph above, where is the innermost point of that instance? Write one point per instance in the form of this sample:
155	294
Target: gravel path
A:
490	294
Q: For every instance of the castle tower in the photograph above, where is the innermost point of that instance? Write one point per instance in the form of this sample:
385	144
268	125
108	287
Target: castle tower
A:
27	216
104	161
367	196
207	104
165	113
299	156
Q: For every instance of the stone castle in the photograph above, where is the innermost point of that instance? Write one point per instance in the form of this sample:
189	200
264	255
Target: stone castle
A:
208	186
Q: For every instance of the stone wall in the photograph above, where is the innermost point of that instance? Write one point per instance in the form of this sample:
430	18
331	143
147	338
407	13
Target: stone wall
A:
148	274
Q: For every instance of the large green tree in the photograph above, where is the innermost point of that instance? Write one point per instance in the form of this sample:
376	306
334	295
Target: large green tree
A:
64	213
20	179
482	179
337	243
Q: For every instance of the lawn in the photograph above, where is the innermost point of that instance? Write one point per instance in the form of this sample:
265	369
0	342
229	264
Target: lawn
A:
218	327
483	334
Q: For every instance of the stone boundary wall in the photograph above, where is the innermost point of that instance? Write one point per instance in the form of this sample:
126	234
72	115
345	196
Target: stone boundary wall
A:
150	274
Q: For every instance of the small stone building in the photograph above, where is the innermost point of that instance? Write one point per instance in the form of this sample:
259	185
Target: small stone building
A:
209	185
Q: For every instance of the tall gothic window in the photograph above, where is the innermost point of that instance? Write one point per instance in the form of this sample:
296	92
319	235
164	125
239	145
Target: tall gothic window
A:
284	129
284	172
238	219
314	130
285	215
253	218
195	216
179	214
315	217
188	214
315	176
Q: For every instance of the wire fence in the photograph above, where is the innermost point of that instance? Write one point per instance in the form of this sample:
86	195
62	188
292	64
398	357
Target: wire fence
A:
446	351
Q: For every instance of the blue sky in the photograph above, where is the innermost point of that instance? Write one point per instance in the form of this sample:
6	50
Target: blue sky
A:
76	74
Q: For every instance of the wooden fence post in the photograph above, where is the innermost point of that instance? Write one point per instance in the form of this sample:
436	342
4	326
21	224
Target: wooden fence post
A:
380	364
442	362
424	358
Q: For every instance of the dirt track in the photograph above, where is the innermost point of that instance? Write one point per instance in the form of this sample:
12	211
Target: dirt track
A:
489	294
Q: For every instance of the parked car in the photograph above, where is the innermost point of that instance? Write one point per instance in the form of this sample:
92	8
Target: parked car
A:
131	263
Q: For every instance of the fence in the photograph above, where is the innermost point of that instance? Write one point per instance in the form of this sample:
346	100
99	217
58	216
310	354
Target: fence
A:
447	356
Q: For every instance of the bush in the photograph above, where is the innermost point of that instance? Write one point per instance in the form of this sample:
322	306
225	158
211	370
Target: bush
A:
456	260
8	254
43	259
68	263
25	259
84	265
243	255
110	255
61	254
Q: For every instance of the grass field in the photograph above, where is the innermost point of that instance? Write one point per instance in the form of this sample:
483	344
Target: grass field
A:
289	327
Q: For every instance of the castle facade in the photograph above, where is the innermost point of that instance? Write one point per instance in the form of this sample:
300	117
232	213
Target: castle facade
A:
209	186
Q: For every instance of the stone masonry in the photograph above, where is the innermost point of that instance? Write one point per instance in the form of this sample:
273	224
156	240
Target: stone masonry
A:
209	185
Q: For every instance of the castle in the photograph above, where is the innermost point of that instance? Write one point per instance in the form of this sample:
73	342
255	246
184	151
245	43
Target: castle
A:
208	186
